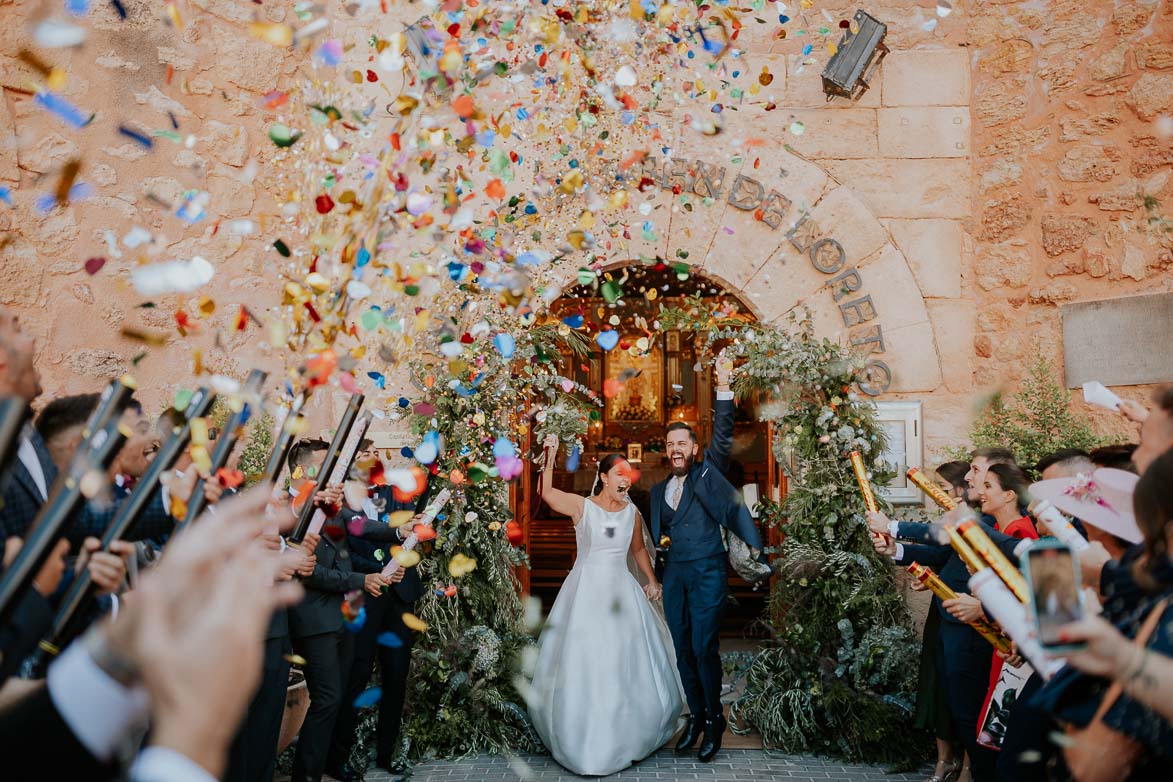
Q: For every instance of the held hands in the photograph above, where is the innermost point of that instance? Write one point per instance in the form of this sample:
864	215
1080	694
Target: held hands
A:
965	608
653	591
107	568
1133	411
203	611
884	545
878	523
373	583
1107	653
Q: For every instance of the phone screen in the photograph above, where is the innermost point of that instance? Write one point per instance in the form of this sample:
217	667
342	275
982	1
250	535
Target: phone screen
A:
1054	583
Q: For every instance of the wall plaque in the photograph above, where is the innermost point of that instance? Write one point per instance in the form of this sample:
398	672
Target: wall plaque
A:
1120	342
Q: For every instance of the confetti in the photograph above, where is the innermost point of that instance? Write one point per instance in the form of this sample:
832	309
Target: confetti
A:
172	276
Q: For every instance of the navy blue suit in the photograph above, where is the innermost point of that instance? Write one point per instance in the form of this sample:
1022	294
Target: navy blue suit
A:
963	656
384	615
695	568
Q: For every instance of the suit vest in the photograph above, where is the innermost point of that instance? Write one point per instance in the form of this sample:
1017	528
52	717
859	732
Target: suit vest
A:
694	534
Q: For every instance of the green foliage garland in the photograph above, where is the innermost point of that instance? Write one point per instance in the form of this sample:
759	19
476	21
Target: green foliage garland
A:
839	675
461	698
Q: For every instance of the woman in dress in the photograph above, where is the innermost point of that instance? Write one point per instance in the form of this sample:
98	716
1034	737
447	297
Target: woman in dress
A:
605	691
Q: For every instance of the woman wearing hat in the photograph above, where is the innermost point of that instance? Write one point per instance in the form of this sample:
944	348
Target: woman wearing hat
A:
1139	509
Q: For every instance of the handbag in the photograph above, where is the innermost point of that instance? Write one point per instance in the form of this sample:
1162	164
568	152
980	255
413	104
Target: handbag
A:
1097	753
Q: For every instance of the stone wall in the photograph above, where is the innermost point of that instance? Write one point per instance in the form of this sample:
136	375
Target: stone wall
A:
1068	145
996	168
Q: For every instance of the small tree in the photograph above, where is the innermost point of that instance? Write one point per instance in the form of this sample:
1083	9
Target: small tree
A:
1037	419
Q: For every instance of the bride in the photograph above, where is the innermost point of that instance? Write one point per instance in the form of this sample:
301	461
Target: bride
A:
605	689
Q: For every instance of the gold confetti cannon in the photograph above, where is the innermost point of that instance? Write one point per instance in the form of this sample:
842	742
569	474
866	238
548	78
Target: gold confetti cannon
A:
933	490
861	477
939	588
981	543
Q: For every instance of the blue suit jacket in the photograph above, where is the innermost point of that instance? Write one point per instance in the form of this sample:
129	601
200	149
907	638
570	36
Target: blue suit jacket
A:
943	559
708	499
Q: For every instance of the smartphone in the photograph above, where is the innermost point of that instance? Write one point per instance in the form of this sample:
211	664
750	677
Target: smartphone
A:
1052	571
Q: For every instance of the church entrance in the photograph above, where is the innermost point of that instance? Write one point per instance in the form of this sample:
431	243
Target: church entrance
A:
648	379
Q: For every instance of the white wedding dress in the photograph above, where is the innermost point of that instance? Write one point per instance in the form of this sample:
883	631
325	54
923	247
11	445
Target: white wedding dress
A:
605	689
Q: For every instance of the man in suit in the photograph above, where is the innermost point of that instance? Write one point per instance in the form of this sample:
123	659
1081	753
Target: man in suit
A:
316	624
384	615
689	508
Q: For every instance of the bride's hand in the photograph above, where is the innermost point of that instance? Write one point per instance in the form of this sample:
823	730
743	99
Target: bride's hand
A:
551	441
653	591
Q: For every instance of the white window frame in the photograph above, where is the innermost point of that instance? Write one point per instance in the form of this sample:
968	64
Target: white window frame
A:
901	491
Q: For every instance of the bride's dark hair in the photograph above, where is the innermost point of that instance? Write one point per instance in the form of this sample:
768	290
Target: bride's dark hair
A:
605	465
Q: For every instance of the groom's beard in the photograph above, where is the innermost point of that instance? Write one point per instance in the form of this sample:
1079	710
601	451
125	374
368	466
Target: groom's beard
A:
685	466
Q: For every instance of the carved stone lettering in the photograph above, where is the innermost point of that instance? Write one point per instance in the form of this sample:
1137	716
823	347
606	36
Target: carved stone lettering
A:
845	283
677	176
746	194
828	256
709	180
774	209
803	233
875	378
869	335
858	311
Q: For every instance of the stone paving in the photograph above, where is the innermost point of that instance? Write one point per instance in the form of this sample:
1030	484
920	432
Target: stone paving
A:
730	766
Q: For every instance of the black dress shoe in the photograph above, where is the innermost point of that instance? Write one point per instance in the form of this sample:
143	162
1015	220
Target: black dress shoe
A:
714	730
346	773
692	732
389	765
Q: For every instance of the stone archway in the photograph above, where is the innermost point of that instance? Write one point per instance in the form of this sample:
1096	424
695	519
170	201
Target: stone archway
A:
785	234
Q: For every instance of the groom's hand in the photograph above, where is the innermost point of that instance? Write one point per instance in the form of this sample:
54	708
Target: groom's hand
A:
653	591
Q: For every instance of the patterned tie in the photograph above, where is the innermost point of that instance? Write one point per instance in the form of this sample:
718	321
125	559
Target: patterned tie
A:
677	490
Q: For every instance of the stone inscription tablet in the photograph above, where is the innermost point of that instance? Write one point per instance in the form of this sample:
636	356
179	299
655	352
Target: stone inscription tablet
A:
1120	342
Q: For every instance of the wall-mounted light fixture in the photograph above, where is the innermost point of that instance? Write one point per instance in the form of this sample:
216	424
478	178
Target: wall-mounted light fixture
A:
846	73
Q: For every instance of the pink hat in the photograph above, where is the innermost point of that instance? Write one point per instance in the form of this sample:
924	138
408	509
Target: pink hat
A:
1102	499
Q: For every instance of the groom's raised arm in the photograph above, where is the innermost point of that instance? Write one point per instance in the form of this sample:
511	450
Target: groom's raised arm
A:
721	442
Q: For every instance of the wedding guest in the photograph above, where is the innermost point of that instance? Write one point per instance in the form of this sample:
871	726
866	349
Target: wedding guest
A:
156	660
932	707
1004	491
1074	697
384	636
1064	463
60	425
316	624
963	656
1118	457
979	462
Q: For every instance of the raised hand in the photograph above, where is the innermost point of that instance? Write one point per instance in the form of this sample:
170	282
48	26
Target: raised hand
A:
878	522
723	371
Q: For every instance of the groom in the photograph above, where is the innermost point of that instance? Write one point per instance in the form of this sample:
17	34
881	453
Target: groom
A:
689	507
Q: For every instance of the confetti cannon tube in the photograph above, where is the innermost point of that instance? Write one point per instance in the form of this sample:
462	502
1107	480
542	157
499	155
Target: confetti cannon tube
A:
332	453
971	558
981	543
861	477
1058	524
939	588
933	490
427	517
1011	616
284	433
342	466
224	445
93	458
71	616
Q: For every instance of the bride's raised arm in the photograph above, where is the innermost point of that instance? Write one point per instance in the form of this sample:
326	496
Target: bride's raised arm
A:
560	501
